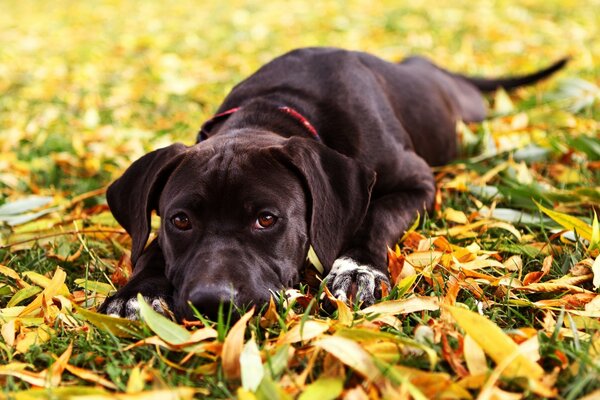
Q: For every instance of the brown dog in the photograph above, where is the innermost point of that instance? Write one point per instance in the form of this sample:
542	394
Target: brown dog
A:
320	147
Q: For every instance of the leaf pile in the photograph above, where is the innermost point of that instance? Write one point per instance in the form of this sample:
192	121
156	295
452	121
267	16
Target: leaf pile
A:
495	294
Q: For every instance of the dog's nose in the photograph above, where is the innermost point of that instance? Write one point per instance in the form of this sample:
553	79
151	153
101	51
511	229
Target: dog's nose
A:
207	299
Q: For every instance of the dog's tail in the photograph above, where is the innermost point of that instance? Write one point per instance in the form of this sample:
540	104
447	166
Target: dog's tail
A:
492	84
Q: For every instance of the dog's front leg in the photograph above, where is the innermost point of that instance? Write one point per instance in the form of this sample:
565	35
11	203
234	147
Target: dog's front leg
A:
148	279
361	269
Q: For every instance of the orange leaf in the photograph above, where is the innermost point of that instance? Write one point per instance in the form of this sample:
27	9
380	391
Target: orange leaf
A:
56	370
536	276
233	345
395	265
122	271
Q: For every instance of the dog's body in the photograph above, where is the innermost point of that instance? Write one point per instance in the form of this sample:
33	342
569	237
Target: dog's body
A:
320	147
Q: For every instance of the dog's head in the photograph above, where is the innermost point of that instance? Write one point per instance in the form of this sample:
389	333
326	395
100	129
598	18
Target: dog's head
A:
238	214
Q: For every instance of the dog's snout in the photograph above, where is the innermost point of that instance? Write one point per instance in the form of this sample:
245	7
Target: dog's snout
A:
208	299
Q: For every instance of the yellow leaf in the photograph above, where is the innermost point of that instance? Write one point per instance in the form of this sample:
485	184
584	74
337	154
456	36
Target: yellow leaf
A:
452	215
16	370
595	240
52	288
323	389
568	222
232	347
421	259
89	376
507	227
350	353
479	263
500	348
136	382
9	331
37	336
44	282
595	395
56	370
502	102
314	260
596	272
474	357
9	272
414	226
305	331
88	393
243	394
403	306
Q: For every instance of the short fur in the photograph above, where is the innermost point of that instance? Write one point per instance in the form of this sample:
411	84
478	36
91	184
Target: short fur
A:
349	194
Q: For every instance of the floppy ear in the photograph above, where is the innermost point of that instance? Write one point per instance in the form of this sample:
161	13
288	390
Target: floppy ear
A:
134	195
339	189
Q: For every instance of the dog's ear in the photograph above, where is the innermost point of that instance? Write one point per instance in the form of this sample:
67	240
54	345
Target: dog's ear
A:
339	189
135	194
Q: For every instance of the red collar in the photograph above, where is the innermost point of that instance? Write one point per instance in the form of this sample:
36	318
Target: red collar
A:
208	125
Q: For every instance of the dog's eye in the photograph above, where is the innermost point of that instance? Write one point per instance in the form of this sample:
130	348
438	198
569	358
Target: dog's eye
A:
181	222
265	220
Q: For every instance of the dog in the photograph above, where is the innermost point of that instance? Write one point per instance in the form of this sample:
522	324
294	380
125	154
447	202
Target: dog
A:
320	147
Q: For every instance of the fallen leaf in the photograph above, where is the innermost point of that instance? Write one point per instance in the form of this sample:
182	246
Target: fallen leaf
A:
350	353
596	272
305	331
251	367
233	345
403	306
500	348
166	329
323	389
568	222
119	327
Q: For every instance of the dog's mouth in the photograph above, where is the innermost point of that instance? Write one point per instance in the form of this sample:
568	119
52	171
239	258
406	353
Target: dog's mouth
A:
214	305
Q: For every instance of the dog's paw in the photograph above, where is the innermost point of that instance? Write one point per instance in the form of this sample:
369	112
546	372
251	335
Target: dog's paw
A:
348	279
129	307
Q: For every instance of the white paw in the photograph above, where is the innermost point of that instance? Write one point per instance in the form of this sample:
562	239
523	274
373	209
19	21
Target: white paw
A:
363	282
130	308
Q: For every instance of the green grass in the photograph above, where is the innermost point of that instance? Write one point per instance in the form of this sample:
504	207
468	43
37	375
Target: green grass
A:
88	87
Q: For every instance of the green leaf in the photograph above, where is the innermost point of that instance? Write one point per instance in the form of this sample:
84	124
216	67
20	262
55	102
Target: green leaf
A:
251	366
595	241
568	222
94	286
119	327
278	361
23	294
269	389
164	328
24	205
323	389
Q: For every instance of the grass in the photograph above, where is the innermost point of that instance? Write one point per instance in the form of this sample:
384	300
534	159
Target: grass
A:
88	87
